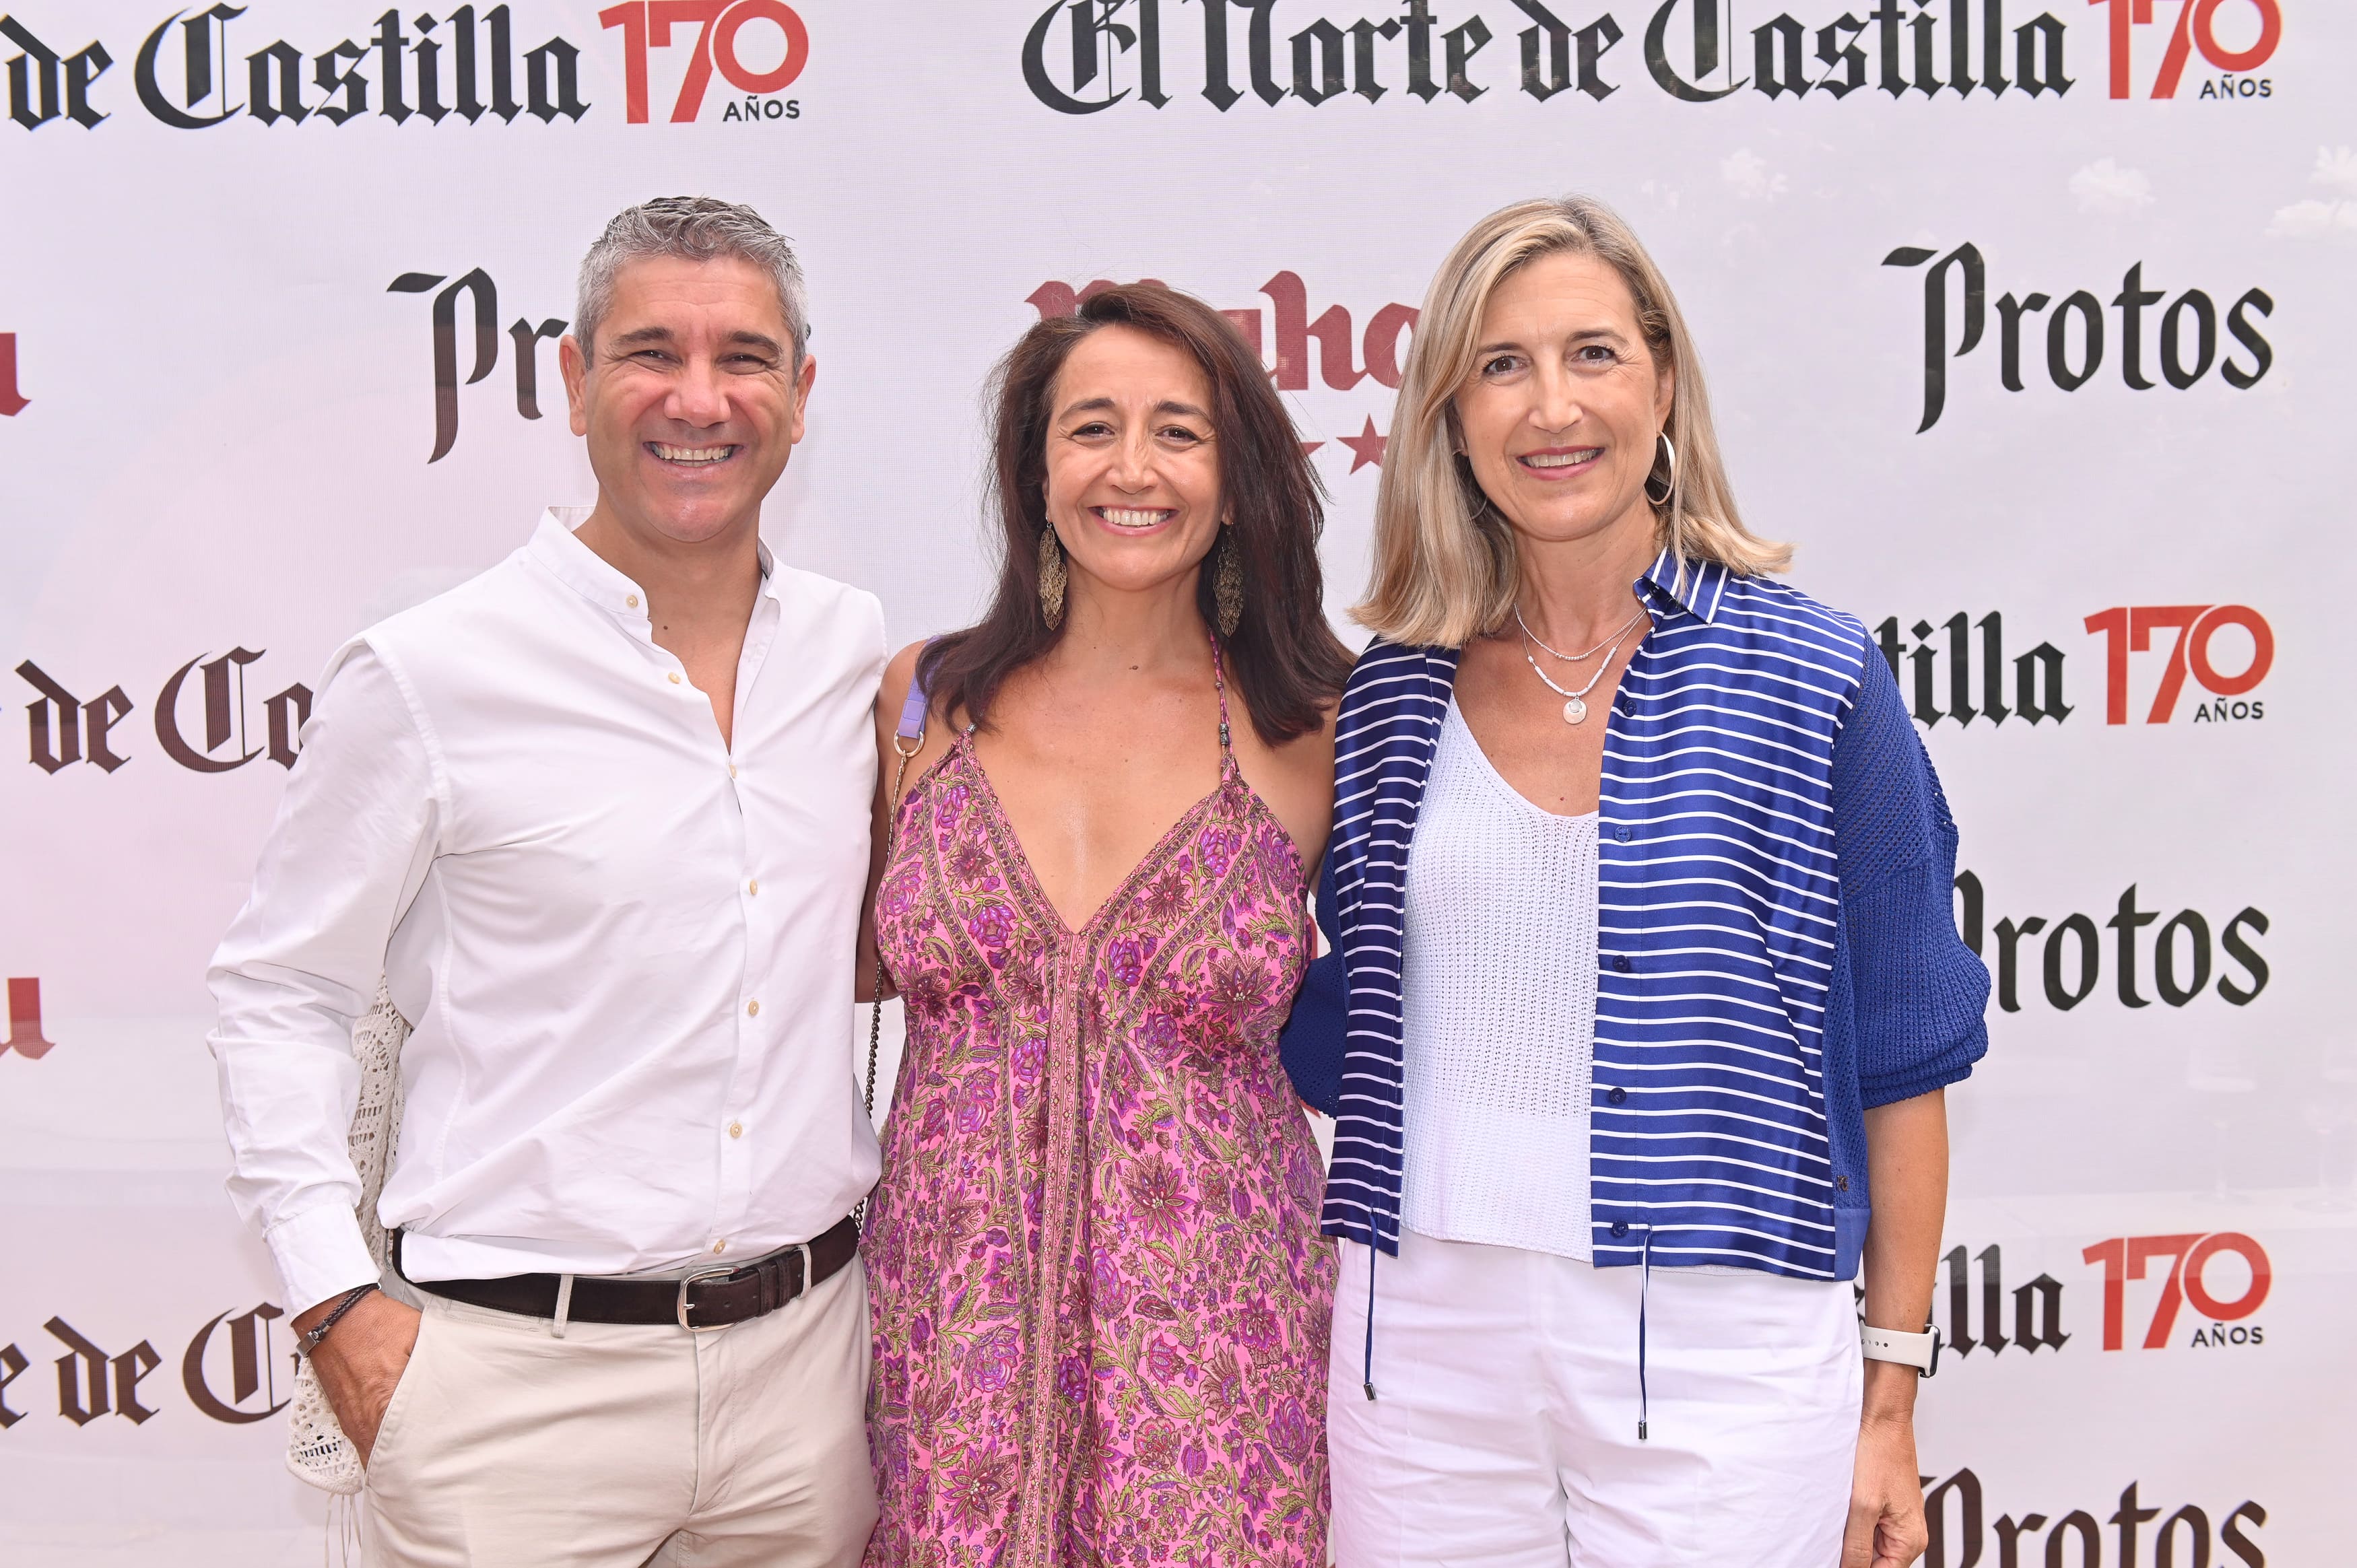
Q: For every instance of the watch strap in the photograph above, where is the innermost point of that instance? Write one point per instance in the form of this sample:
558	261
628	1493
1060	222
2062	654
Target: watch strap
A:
1921	1351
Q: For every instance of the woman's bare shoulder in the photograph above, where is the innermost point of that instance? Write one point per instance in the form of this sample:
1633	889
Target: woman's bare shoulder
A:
901	674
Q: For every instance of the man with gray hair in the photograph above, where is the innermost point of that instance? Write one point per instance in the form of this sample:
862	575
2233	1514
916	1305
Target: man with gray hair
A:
600	818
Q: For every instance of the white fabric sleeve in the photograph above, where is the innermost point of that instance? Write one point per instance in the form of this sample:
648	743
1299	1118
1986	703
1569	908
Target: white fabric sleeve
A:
350	844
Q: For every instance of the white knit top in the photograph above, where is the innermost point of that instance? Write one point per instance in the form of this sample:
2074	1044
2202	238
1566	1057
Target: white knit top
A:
1501	1010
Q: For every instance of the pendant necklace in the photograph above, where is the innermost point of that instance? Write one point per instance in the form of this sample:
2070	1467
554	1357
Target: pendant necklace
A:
1574	705
1570	658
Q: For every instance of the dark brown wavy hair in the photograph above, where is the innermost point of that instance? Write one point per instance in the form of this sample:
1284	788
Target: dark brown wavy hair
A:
1283	658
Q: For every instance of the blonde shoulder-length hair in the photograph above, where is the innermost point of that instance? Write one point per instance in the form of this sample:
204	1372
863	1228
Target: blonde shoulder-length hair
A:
1446	569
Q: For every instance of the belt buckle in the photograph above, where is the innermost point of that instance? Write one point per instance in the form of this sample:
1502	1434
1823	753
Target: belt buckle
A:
714	1271
803	1248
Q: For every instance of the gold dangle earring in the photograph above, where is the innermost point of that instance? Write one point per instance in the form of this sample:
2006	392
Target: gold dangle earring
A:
1228	581
1051	577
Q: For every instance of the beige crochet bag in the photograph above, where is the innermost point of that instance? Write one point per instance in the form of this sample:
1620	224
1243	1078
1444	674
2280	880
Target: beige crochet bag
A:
317	1452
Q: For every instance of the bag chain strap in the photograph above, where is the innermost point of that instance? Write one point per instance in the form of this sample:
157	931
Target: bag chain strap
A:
907	751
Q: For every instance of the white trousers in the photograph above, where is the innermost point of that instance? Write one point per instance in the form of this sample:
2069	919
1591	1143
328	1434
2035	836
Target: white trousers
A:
1504	1429
622	1444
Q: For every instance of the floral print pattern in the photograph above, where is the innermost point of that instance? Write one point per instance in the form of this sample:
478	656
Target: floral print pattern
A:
1101	1301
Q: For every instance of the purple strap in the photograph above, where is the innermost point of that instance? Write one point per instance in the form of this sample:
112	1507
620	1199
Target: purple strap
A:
912	712
913	708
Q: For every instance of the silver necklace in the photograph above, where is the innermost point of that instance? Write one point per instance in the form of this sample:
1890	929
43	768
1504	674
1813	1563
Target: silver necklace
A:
1574	705
1571	658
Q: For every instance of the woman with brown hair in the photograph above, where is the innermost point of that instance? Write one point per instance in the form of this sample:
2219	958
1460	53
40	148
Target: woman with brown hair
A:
1099	1295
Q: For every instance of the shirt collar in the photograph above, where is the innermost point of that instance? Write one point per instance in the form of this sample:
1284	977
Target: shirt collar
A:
1674	583
594	578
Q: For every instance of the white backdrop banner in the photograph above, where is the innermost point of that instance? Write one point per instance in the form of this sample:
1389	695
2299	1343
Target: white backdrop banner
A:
2033	327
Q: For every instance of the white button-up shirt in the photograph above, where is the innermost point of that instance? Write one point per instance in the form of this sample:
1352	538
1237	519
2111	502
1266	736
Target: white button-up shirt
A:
626	947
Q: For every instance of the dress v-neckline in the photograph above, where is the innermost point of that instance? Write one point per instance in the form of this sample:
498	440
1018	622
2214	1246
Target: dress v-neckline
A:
1019	857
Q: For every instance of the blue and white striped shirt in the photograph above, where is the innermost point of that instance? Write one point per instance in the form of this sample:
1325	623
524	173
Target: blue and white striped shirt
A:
1774	931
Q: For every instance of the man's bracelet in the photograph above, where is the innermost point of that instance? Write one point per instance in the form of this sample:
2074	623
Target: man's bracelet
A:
311	1336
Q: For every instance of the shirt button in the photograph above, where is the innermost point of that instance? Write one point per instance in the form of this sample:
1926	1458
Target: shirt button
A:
720	1246
1621	964
752	1009
736	1129
753	885
732	771
1620	1228
675	677
1618	1096
631	601
1620	834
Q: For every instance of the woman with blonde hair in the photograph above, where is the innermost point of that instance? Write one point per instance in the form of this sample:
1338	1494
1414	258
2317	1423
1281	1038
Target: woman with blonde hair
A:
1644	976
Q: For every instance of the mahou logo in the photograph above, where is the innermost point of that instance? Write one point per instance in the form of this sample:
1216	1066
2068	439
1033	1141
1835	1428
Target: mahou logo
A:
200	69
2199	25
12	402
736	38
1342	356
25	1036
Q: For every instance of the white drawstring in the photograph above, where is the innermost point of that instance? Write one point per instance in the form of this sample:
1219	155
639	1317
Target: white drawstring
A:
1645	1290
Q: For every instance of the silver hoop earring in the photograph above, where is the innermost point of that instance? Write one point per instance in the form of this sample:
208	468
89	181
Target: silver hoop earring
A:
1669	486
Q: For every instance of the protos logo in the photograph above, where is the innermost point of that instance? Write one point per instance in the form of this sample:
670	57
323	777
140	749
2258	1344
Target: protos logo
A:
722	42
2179	955
2183	351
2197	27
525	334
1963	1523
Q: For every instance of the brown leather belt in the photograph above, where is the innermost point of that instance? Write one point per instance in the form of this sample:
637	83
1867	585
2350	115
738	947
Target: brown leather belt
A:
711	1298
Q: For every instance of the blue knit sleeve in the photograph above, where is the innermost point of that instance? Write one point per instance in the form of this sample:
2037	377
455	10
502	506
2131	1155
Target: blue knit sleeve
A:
1918	992
1312	1045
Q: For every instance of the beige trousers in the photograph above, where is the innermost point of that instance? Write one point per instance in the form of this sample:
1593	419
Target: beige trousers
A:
616	1445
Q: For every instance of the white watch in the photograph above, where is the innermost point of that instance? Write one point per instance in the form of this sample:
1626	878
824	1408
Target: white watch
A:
1921	1351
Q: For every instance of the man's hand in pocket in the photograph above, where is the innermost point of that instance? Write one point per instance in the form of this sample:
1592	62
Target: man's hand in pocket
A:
360	1361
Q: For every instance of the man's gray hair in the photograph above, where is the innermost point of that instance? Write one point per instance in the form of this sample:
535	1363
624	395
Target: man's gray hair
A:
695	228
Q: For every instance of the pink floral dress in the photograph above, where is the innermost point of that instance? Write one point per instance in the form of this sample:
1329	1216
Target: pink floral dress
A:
1101	1299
